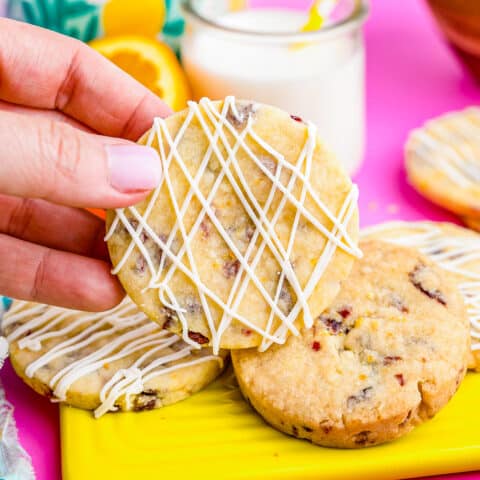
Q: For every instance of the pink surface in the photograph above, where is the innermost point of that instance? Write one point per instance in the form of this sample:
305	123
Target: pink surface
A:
411	76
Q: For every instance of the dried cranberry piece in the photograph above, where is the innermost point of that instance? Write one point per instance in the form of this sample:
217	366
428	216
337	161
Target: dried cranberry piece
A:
361	396
389	359
244	113
249	231
230	269
142	235
415	278
149	391
170	316
334	326
145	401
205	227
192	306
345	312
286	299
397	302
269	163
316	346
362	438
133	223
400	379
296	118
198	337
327	428
140	265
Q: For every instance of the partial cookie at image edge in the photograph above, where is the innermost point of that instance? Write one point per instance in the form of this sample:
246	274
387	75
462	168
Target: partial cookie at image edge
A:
110	361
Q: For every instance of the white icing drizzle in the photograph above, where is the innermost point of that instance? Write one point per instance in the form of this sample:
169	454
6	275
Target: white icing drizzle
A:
124	331
452	253
447	143
215	126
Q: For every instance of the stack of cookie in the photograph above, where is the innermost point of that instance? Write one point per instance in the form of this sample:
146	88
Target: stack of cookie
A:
111	361
443	163
250	244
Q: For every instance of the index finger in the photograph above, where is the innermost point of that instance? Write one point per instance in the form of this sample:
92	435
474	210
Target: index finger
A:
43	69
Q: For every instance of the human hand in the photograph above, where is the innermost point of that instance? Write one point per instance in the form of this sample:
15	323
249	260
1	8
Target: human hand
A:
67	121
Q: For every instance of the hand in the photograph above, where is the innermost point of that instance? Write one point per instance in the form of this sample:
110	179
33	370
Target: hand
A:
67	121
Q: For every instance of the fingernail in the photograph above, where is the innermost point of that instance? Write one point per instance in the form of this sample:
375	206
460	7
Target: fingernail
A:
133	168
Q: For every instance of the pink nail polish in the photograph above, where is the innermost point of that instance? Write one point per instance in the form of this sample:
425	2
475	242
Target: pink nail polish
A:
133	168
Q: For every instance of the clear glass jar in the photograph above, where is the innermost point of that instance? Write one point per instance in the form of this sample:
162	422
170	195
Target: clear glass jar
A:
260	54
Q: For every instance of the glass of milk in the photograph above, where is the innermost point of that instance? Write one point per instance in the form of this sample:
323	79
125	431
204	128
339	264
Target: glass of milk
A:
261	54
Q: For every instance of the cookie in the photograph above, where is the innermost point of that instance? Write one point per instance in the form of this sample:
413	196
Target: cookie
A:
386	356
455	249
109	361
473	223
443	161
250	233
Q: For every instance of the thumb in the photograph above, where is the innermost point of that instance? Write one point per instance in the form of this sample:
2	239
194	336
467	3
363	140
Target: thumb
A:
52	160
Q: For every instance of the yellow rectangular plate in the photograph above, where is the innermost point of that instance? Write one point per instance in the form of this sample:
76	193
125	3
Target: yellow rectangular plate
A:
216	435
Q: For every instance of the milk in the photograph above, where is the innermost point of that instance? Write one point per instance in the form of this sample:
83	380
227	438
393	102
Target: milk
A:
321	80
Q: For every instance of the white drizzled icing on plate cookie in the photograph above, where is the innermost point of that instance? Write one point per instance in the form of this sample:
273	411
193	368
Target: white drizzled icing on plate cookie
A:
455	249
235	120
75	344
450	144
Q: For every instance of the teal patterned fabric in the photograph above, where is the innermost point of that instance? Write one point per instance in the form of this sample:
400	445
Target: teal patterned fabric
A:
5	303
82	19
174	25
15	463
76	18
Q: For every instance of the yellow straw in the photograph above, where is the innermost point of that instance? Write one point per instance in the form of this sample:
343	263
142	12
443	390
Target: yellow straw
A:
315	19
236	5
318	14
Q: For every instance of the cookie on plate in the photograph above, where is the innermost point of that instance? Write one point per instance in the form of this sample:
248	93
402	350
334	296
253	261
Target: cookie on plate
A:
386	356
455	249
248	236
473	223
443	161
109	361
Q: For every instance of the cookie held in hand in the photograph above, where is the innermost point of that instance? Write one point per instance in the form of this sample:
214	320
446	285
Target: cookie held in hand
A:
249	234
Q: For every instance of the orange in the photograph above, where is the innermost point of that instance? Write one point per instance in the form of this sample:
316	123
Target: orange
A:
144	17
151	62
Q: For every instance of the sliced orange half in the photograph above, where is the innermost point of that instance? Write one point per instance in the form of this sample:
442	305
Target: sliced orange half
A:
151	62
